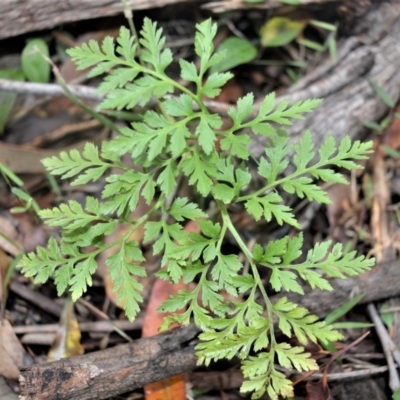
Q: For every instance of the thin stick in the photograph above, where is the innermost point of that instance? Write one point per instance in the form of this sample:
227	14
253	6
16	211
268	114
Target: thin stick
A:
86	93
106	318
90	326
49	89
389	348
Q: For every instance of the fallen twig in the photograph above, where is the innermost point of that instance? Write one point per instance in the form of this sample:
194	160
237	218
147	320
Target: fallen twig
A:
389	348
49	89
113	371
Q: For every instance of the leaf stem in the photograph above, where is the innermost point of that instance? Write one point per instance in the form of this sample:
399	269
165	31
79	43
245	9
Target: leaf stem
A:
129	16
270	186
228	222
164	78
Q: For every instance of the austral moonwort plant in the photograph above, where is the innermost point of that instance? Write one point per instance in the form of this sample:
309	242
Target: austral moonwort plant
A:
177	144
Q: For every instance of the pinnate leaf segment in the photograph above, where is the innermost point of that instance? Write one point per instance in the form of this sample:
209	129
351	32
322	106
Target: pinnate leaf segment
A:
184	141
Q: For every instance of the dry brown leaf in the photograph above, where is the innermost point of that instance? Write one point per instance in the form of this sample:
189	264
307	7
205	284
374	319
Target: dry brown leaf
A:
340	196
391	137
12	353
230	92
317	391
5	261
8	369
20	232
9	237
383	245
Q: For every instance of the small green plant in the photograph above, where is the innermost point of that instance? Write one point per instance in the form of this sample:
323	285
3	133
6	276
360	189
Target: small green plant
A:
34	68
183	143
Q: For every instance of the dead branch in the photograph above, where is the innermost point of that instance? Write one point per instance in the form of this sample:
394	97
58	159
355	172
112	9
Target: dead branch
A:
18	17
113	371
372	54
230	5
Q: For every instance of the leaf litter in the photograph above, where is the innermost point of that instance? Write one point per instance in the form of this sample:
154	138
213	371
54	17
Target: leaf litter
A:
356	230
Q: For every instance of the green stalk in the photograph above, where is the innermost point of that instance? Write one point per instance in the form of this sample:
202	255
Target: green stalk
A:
254	270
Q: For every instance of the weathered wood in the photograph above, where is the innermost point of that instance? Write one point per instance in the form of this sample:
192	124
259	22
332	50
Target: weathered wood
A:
110	372
21	16
230	5
373	54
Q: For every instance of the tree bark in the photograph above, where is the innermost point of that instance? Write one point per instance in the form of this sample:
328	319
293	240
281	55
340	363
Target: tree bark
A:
21	16
373	54
113	371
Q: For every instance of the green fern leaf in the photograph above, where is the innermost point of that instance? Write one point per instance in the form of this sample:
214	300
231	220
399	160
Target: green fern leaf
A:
123	268
153	43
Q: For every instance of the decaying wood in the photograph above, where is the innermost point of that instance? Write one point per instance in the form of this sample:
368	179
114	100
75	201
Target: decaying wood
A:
372	54
21	16
230	5
349	101
110	372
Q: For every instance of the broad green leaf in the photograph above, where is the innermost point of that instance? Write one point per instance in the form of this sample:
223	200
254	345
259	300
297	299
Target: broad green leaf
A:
279	31
237	51
34	65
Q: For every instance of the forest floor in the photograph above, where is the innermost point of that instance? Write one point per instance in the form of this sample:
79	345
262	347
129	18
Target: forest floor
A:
38	326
